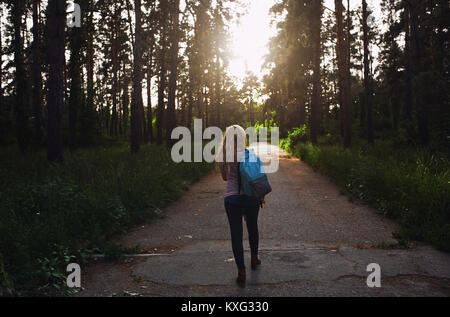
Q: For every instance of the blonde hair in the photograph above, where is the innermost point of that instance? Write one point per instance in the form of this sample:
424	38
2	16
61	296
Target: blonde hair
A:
233	142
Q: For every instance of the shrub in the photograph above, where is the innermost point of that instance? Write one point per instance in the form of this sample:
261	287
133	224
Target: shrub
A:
50	214
296	136
412	187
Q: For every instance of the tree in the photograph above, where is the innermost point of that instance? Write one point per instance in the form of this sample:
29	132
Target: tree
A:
56	33
137	103
115	67
343	66
149	137
37	75
316	103
367	77
21	105
174	62
1	69
416	11
249	89
87	117
160	120
76	97
149	57
408	73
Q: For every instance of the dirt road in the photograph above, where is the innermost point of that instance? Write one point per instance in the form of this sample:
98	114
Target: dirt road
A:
314	242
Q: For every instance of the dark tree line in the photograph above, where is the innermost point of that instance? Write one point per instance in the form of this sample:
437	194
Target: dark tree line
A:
323	70
67	87
136	69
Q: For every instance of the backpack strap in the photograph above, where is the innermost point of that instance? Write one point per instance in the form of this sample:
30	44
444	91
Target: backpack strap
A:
239	170
239	177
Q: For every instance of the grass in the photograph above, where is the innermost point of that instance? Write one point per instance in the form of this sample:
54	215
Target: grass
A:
52	215
410	185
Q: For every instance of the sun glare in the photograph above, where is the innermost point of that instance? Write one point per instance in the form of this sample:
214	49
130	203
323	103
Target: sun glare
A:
250	39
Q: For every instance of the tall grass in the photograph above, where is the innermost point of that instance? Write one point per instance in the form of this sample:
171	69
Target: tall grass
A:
53	214
411	185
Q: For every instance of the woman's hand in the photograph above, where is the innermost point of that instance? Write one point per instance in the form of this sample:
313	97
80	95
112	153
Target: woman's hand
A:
263	202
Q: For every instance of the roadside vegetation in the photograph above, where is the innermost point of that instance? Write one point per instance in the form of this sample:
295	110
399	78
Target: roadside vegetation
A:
52	215
406	183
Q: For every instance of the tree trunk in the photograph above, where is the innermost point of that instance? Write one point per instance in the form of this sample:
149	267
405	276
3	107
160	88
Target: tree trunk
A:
218	91
137	103
316	99
162	73
115	64
1	74
251	108
349	58
367	75
190	98
87	119
422	110
125	101
56	30
37	76
408	73
75	73
171	116
149	103
343	74
21	106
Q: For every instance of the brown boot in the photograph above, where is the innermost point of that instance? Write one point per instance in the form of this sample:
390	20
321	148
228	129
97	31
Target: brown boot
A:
255	262
241	277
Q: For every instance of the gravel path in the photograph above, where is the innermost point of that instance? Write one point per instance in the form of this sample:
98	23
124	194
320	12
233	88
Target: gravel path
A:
314	242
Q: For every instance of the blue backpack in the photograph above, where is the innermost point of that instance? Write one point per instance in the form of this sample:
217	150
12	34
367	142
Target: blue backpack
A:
253	179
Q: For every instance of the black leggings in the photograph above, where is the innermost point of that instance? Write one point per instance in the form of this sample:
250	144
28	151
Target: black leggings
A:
235	214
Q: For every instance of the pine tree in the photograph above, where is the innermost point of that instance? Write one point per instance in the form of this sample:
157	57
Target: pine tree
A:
56	33
137	103
174	63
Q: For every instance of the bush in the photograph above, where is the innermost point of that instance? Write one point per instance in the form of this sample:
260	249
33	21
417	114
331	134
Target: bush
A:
50	214
296	136
412	187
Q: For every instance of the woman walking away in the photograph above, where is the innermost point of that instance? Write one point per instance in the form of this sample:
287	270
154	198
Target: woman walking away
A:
237	204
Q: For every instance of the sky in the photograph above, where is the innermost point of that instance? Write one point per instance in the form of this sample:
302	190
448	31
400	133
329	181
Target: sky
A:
251	36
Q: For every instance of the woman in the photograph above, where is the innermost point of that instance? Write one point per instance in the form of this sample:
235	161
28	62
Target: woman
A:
238	205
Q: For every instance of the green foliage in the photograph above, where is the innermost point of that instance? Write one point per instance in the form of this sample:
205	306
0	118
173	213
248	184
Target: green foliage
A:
268	124
410	185
296	136
50	214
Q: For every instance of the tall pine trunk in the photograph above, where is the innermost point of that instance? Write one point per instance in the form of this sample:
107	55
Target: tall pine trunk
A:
137	103
218	93
316	97
175	38
37	76
160	116
87	118
125	101
115	64
1	73
56	33
75	73
415	9
190	97
149	103
408	74
343	67
21	104
367	75
349	58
